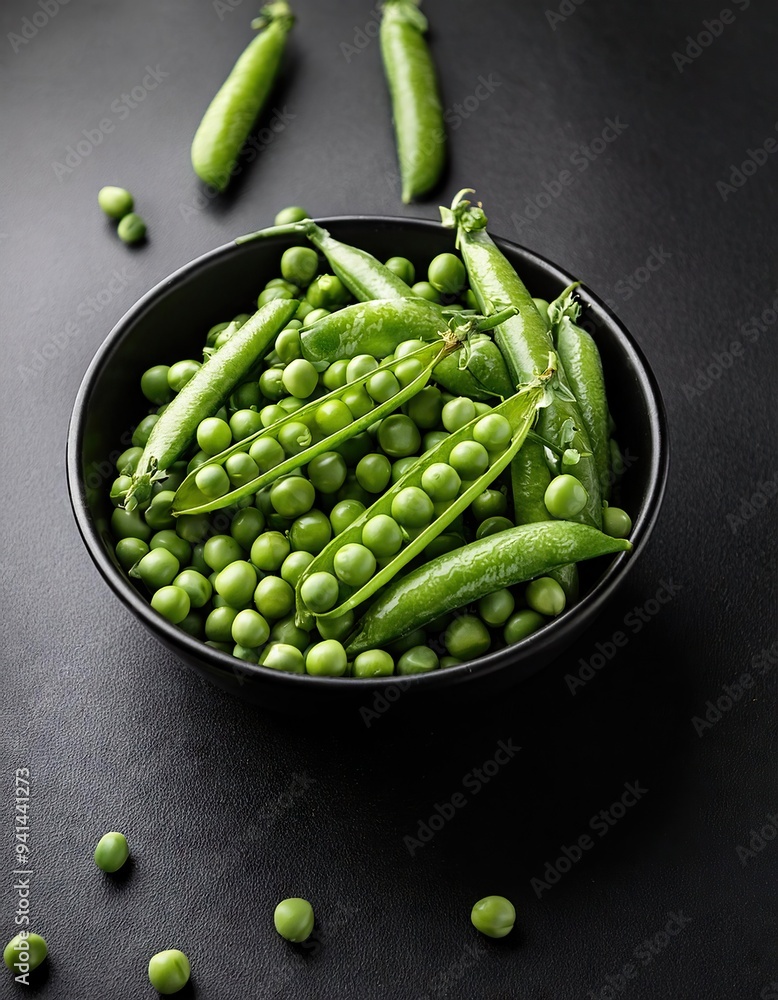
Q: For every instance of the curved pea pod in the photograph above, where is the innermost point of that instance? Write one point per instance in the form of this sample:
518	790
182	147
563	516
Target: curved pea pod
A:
464	575
520	410
460	381
524	339
228	120
374	327
204	393
190	500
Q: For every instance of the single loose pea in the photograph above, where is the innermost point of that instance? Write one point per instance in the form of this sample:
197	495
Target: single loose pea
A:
236	583
373	472
291	214
335	376
196	585
493	525
284	656
496	609
310	532
293	919
292	496
181	372
300	378
490	503
247	526
129	551
493	431
220	550
320	592
273	597
616	522
344	513
131	228
31	946
446	274
373	663
299	265
327	472
441	482
327	658
354	564
545	596
425	408
565	497
250	629
244	423
521	624
158	514
169	540
403	268
271	384
116	202
467	637
295	565
213	435
154	385
493	916
383	536
142	432
398	436
457	412
172	603
249	654
169	971
417	660
313	316
424	290
412	508
157	568
111	851
129	524
269	551
294	437
401	466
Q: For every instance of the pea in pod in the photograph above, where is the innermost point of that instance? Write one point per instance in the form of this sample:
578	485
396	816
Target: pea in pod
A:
204	393
524	339
229	118
469	573
190	500
520	411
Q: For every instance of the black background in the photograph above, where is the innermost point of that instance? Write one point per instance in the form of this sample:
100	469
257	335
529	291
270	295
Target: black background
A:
228	809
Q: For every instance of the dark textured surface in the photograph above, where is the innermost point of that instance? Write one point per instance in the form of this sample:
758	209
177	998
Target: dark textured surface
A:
228	809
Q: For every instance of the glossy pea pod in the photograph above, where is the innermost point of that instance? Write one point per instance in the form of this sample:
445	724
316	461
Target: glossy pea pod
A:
416	105
204	393
464	575
228	120
484	375
524	339
190	500
520	410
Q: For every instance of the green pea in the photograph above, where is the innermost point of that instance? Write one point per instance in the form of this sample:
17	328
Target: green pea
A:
406	371
130	551
284	656
327	472
192	625
310	532
169	971
320	592
432	439
218	624
335	377
382	386
442	544
247	526
158	568
373	663
181	372
327	658
172	603
240	469
354	564
196	585
327	292
403	268
300	378
521	624
495	609
127	462
401	466
111	852
424	290
299	264
542	307
198	562
212	481
344	513
267	453
545	596
440	482
492	525
493	916
412	508
213	435
360	365
236	583
383	536
25	949
469	459
398	436
269	551
565	497
169	540
196	461
292	214
457	412
129	524
249	654
270	294
294	437
616	522
416	638
273	597
250	629
293	919
289	346
220	551
131	228
116	202
271	384
493	431
332	415
158	514
292	496
373	472
490	503
154	385
286	631
246	397
467	637
449	661
336	628
426	407
295	565
417	660
447	274
142	432
313	316
244	423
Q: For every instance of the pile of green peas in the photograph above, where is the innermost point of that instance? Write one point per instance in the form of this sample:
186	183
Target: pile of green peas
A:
230	577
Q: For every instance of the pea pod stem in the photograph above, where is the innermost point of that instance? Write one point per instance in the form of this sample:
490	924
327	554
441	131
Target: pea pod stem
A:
189	500
520	410
230	116
204	393
464	575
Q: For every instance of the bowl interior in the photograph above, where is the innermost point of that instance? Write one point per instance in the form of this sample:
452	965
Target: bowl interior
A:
170	323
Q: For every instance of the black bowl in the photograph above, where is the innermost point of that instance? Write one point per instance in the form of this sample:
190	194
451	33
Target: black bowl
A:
171	318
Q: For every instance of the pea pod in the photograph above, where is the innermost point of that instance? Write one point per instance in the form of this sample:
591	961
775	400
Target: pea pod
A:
190	500
520	410
467	574
524	339
204	393
583	366
229	118
416	104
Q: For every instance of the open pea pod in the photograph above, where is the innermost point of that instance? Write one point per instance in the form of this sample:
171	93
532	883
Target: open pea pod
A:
520	411
190	500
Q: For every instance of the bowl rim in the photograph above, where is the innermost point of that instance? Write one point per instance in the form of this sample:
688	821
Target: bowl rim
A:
543	640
